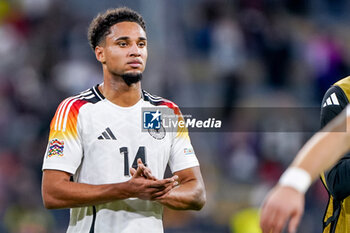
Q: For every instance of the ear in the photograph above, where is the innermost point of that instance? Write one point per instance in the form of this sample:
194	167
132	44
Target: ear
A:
100	55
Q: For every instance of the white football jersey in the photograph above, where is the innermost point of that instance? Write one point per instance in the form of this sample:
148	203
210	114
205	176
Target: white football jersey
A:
97	142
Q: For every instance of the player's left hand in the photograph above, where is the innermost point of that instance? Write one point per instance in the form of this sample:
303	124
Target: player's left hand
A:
281	204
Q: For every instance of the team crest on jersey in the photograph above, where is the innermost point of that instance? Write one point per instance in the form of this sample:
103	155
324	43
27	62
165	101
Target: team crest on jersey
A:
55	148
158	134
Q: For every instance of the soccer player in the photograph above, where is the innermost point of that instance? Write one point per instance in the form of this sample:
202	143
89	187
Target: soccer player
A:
98	161
337	180
286	200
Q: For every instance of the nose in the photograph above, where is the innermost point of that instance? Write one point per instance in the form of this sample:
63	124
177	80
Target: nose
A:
134	50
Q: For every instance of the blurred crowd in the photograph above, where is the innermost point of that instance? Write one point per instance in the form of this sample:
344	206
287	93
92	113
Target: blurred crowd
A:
202	53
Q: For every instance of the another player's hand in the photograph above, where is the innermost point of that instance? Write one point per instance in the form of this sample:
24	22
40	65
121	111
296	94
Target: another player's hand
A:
145	186
281	204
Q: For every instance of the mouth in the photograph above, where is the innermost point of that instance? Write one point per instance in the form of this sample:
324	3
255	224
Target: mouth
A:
135	63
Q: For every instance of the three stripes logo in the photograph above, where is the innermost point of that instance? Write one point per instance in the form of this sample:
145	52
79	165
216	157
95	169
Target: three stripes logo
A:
332	100
107	134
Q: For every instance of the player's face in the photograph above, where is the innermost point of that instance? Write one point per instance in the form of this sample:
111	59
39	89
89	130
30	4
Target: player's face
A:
125	49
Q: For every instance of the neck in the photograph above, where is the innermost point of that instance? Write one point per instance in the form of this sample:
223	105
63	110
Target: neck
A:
118	92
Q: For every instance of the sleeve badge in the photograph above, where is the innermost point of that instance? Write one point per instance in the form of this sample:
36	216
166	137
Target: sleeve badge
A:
55	148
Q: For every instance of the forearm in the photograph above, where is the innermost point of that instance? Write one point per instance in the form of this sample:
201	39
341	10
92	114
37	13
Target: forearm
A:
187	196
59	192
324	148
66	194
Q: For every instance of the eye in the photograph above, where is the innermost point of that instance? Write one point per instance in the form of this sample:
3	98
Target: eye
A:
122	44
141	44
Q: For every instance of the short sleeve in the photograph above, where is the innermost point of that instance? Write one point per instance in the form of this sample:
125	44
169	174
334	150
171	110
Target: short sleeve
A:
333	103
64	150
182	155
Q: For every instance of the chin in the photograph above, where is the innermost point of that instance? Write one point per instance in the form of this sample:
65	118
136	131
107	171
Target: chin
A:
132	77
133	72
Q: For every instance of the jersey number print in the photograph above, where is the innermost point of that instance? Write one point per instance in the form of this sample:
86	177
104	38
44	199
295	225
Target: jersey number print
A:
140	154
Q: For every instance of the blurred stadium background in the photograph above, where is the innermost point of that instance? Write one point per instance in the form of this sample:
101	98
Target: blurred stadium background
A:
202	53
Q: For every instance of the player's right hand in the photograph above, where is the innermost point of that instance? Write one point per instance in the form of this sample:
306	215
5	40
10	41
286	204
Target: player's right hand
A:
281	204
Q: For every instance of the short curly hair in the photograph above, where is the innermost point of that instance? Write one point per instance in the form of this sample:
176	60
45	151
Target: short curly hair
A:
100	26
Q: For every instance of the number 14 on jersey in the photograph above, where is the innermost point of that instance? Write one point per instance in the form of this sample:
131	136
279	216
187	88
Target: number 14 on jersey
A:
141	153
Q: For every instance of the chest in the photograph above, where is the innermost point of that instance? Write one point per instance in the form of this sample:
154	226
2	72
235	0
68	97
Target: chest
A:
114	140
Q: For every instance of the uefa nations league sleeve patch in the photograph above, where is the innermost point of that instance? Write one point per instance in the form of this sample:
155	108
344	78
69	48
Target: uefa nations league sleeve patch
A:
188	151
55	148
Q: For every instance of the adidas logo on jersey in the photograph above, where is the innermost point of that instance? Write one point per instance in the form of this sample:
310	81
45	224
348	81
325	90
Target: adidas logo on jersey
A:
107	134
332	100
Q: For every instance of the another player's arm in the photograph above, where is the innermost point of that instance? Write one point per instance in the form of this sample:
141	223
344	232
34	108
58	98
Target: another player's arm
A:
329	112
322	151
189	194
59	192
326	147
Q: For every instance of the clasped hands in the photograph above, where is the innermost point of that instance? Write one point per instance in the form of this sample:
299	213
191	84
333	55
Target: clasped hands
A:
147	187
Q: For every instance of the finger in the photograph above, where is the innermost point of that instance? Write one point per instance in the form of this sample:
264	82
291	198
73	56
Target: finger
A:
279	222
263	218
132	171
138	172
139	161
162	183
147	172
275	218
266	219
160	194
294	222
176	177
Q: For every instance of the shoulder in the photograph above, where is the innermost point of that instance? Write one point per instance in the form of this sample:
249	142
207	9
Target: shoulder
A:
338	94
89	96
335	100
70	107
160	101
344	84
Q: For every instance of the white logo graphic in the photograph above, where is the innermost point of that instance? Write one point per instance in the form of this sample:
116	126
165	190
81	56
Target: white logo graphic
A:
332	100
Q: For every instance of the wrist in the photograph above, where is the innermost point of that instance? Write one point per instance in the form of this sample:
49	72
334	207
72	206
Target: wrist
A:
125	190
296	178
